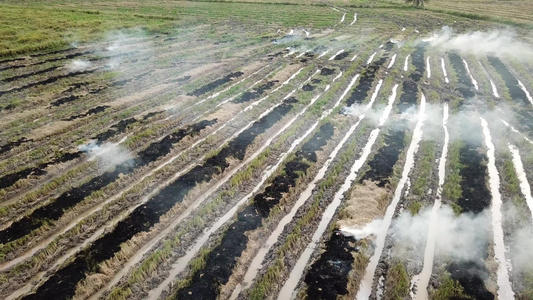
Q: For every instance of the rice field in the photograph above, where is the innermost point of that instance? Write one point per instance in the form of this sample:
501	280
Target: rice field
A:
250	150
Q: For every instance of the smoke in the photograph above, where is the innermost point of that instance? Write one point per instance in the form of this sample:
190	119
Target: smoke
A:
370	228
520	239
520	249
495	42
462	238
126	45
107	154
78	65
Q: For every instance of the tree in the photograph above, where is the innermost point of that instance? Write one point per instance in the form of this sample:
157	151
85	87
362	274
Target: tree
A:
416	3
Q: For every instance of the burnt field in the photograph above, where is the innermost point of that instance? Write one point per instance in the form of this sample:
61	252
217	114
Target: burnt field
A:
330	152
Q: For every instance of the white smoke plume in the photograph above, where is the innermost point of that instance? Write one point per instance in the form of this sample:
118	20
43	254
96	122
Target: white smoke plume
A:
131	44
462	238
520	249
78	65
361	233
496	42
107	154
520	239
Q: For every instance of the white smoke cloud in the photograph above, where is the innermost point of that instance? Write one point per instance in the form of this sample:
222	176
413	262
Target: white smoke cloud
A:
520	249
130	44
462	238
78	65
497	42
361	233
107	154
520	239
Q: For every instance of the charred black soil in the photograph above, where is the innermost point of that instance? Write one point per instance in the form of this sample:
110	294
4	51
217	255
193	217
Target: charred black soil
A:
328	276
64	100
7	147
475	197
91	111
42	62
12	67
213	85
71	98
342	56
18	77
464	82
52	52
382	164
308	87
222	259
256	93
366	82
47	81
471	275
10	179
115	129
326	71
368	76
64	281
123	82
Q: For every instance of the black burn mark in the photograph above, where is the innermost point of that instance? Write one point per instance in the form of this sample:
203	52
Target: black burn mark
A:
328	276
10	179
7	147
465	83
91	111
54	210
18	77
382	164
342	56
221	261
475	196
255	93
46	81
326	71
213	85
64	281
